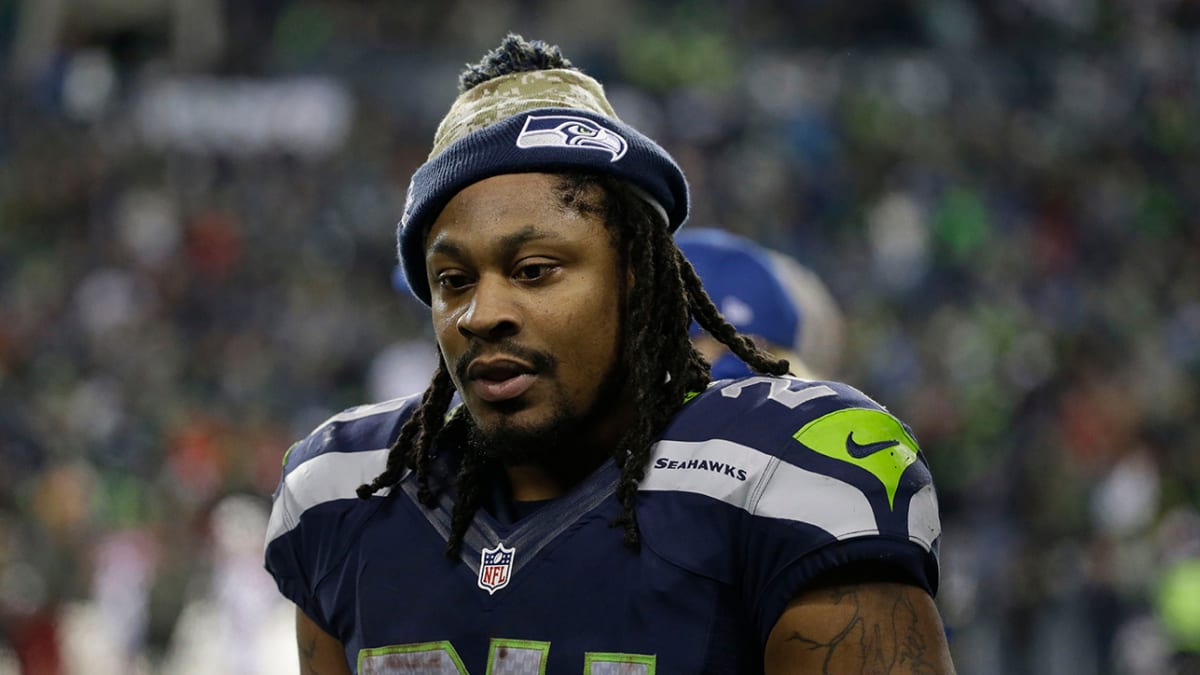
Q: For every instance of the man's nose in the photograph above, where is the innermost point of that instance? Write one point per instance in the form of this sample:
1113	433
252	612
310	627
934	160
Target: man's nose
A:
493	312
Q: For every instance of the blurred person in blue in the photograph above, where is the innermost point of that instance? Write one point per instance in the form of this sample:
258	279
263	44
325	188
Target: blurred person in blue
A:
593	503
768	295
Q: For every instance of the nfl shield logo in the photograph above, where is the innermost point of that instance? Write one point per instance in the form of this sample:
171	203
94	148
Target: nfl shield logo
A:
495	566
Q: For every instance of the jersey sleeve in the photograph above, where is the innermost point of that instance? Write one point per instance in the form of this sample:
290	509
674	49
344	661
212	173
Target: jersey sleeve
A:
316	512
777	481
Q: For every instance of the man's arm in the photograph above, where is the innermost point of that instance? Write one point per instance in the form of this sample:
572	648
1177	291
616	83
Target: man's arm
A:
320	652
879	628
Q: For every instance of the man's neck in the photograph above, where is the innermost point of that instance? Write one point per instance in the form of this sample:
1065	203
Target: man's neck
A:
534	483
537	482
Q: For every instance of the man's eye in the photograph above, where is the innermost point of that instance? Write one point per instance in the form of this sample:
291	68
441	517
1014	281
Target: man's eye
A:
452	280
533	271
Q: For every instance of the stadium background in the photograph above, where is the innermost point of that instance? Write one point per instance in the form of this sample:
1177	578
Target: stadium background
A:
197	201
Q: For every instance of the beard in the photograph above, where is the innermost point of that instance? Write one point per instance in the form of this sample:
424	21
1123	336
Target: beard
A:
511	444
553	441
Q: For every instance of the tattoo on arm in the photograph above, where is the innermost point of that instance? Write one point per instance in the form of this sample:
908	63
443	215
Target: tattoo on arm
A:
308	653
891	644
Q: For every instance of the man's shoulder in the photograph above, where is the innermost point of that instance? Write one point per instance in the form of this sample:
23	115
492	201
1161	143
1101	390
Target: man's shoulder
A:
814	452
731	438
792	464
763	411
361	429
327	466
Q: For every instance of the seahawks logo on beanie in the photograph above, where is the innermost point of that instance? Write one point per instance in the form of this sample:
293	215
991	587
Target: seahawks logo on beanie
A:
567	131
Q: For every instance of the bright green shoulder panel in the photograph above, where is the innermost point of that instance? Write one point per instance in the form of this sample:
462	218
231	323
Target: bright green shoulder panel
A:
869	439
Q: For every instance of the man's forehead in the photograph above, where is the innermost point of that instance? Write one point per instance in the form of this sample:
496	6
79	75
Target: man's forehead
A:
457	241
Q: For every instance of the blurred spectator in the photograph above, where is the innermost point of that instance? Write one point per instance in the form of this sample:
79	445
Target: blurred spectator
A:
768	296
236	623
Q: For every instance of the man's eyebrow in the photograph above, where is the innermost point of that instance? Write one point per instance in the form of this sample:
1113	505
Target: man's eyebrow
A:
445	247
509	244
506	247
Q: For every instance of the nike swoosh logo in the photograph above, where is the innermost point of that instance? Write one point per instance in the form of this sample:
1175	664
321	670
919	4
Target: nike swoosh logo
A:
832	435
858	451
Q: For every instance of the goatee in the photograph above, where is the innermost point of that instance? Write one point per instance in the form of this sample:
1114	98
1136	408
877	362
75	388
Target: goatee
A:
566	437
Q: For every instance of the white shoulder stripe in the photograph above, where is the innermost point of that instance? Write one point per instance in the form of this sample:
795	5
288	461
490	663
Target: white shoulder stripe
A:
839	508
768	487
359	412
924	524
324	478
669	469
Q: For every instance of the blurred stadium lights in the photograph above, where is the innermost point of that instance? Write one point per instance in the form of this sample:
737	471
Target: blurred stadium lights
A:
308	116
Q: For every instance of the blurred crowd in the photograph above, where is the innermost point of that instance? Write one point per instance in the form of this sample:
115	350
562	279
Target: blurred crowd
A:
197	210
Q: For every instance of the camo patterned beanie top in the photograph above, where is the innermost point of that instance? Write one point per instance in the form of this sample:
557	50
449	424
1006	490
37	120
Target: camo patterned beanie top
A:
523	109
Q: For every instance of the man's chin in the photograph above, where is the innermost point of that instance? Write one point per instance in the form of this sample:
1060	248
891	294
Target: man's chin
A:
509	420
512	439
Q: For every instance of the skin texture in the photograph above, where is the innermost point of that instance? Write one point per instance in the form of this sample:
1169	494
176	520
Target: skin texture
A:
320	654
867	629
515	276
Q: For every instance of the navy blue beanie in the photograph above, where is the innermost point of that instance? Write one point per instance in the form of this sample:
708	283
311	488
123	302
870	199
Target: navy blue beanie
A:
545	139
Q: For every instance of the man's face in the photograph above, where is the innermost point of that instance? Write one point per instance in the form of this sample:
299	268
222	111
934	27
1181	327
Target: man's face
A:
526	304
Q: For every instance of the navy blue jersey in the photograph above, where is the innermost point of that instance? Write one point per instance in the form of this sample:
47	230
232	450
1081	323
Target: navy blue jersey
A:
758	486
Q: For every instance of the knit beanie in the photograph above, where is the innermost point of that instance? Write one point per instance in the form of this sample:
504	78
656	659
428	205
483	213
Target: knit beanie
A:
525	109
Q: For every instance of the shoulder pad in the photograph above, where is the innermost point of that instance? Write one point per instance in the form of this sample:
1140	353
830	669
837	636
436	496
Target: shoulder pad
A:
819	455
316	511
345	451
761	410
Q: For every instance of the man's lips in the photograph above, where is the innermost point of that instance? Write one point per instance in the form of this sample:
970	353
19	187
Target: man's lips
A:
499	379
494	391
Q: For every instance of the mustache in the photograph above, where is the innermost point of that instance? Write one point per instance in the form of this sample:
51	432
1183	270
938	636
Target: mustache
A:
541	362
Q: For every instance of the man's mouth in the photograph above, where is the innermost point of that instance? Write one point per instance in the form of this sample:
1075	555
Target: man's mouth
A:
499	379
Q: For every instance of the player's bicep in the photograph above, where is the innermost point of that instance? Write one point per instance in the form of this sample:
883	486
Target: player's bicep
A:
859	628
320	652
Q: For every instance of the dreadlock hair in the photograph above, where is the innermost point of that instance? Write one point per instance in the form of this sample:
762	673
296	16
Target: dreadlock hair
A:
658	354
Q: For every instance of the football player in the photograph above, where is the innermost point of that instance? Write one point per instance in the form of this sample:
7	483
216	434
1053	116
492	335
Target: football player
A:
593	504
767	295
